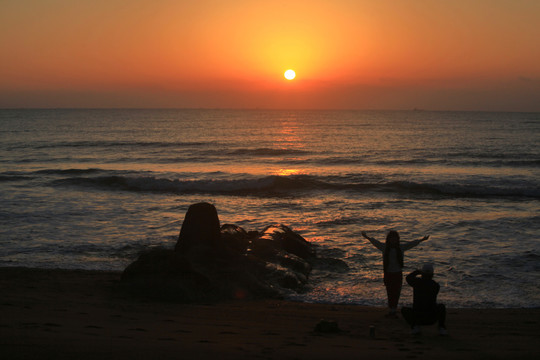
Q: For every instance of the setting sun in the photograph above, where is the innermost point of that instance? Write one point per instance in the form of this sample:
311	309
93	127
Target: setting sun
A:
230	54
289	74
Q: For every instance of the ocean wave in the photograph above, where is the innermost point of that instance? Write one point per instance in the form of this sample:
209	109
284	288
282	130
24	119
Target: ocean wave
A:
111	144
462	190
266	152
14	178
162	185
69	171
293	185
424	161
32	175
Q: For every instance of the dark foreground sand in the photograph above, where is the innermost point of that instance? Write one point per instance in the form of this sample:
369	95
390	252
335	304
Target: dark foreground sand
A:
58	314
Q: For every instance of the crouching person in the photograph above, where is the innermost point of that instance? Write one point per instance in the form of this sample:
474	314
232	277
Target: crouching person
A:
425	310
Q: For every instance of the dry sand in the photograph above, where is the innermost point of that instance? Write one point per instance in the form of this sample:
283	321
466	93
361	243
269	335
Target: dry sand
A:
60	314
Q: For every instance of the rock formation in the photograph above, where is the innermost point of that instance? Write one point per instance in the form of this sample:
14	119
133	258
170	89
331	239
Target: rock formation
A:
211	261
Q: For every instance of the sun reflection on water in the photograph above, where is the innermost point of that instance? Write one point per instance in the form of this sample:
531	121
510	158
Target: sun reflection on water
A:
288	136
288	172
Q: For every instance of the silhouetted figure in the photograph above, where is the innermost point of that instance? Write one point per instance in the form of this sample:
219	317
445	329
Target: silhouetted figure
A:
393	251
425	310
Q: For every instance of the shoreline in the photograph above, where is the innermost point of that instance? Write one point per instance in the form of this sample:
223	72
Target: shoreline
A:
64	314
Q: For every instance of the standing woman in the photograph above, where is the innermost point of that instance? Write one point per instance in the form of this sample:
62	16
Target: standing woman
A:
393	251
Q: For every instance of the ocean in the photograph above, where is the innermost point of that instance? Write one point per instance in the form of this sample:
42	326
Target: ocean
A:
91	189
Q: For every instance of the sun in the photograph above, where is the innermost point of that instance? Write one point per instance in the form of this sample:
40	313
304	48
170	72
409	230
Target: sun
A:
289	74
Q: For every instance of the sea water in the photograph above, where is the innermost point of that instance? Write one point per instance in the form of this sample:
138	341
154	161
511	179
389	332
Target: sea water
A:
91	189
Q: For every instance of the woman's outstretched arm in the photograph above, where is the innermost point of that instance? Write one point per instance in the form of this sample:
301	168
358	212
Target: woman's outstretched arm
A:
375	243
411	244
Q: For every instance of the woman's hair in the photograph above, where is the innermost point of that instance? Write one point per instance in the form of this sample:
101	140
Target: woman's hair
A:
392	241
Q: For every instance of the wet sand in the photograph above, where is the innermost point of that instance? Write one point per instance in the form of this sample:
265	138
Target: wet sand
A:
65	314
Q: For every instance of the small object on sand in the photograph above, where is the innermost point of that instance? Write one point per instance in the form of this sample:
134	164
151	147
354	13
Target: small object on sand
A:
372	331
327	326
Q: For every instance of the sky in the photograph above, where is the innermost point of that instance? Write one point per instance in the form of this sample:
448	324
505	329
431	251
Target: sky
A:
347	54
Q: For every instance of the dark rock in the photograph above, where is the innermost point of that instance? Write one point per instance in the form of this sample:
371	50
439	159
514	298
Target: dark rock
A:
294	263
284	278
161	274
159	262
235	238
253	233
200	232
330	265
263	247
284	238
213	262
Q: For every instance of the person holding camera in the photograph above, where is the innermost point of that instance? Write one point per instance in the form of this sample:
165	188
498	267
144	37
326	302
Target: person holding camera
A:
425	309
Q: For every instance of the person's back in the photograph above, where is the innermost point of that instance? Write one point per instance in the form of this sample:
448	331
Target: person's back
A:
425	292
425	310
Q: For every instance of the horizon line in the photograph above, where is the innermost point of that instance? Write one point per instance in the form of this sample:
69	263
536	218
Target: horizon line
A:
414	109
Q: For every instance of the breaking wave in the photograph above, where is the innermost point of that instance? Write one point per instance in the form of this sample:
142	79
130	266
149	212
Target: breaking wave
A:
287	185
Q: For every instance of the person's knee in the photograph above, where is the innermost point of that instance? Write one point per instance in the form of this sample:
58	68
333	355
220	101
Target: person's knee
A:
408	314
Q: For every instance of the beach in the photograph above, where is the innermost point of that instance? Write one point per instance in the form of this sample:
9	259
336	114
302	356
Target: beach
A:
68	314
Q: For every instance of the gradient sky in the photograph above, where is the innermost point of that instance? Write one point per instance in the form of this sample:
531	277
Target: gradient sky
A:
348	54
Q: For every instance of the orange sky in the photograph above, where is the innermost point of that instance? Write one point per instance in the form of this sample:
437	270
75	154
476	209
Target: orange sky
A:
353	54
